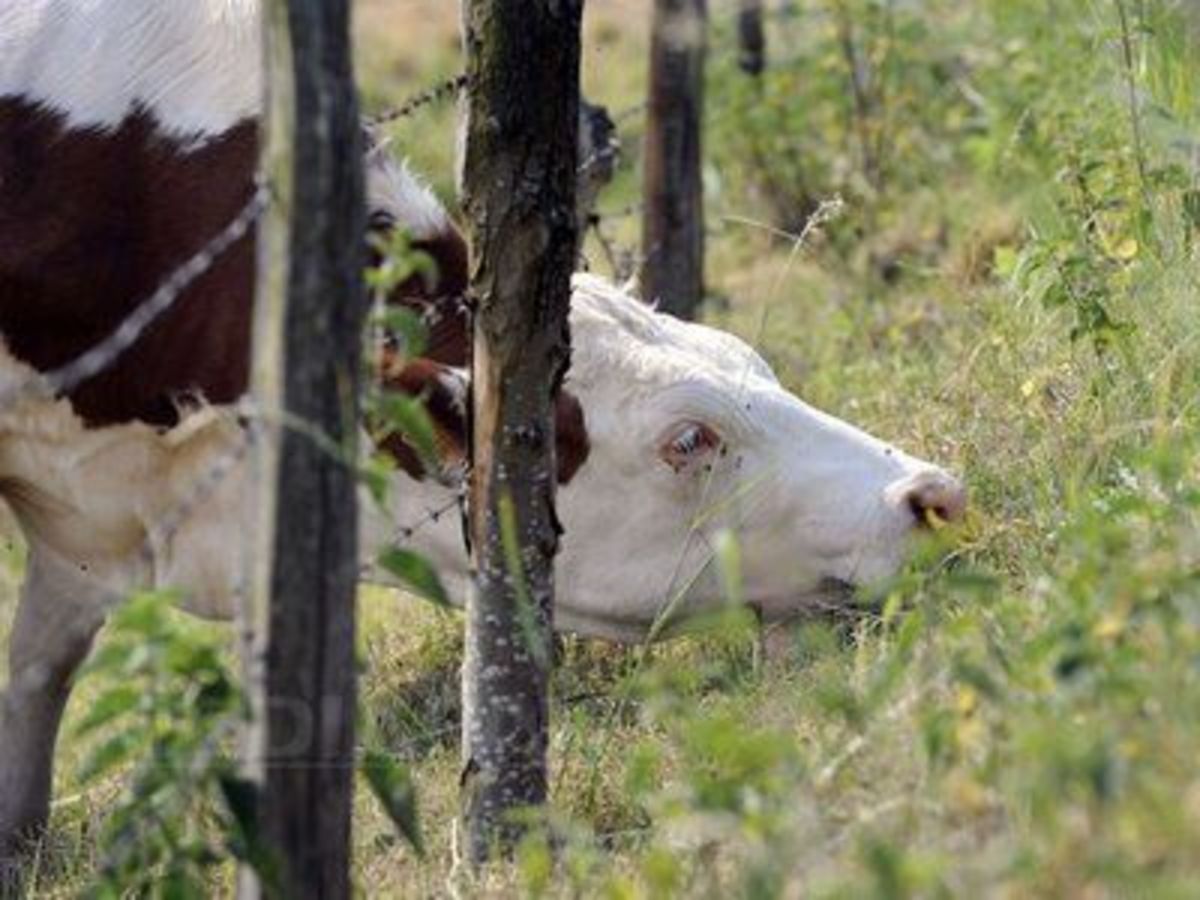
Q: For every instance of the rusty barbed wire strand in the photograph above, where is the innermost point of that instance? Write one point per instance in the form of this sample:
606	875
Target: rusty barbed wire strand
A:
94	361
435	94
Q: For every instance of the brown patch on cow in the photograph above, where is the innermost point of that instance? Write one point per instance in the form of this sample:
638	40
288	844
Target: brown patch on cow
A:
447	323
448	340
443	393
571	436
91	222
438	296
449	253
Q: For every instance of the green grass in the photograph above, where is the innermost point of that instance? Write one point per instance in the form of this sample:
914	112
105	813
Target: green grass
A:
1020	722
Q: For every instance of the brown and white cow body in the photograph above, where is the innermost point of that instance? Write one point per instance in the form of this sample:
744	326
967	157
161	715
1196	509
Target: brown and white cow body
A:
127	141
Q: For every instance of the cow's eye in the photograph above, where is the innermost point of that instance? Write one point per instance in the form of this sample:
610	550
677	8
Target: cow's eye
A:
379	220
689	445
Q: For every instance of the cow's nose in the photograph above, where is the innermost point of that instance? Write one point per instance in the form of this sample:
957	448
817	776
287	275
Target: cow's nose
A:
933	496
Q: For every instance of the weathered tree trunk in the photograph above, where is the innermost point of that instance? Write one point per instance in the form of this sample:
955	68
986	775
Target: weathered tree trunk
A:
519	183
752	41
309	316
673	225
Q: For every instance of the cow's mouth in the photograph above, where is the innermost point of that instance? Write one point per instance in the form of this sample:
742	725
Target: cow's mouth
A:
837	588
835	598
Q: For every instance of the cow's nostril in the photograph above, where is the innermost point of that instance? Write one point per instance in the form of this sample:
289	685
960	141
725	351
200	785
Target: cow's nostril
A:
935	499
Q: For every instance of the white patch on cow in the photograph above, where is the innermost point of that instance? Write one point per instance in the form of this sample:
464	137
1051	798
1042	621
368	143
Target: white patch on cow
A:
392	188
194	64
610	328
129	505
456	382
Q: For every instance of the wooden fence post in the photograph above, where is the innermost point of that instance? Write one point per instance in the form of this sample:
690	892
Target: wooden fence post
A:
673	223
309	314
752	40
519	184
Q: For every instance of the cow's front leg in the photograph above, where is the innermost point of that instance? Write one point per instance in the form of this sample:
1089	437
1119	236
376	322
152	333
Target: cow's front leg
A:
58	615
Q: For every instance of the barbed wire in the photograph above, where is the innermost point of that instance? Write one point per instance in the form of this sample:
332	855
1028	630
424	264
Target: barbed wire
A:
623	260
106	352
201	489
604	156
96	359
435	94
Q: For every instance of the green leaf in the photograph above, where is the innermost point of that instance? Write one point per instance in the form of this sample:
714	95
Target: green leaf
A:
416	572
393	787
408	326
111	754
180	884
216	697
241	799
144	613
728	552
399	413
376	474
1005	260
111	705
400	261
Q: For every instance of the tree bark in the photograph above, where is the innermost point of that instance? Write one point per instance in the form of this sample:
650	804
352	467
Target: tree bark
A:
673	225
309	315
752	41
519	183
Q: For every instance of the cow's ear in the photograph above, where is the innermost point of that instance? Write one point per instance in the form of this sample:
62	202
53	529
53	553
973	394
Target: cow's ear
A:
689	446
442	392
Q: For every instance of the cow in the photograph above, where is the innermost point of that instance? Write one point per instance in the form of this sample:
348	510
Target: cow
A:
128	140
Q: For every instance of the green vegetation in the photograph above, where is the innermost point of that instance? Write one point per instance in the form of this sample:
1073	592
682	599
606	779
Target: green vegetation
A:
169	706
1011	290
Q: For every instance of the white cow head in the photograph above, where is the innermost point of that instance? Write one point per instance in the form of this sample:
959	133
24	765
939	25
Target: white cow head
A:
689	433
